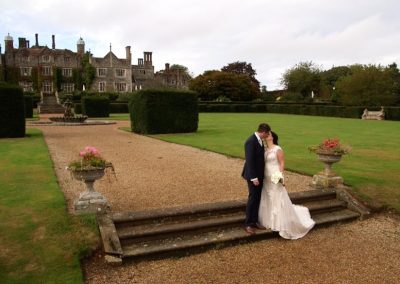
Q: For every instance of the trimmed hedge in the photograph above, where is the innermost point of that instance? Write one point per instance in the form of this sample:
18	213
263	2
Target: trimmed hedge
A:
78	108
392	113
119	108
114	108
164	111
95	106
12	112
28	106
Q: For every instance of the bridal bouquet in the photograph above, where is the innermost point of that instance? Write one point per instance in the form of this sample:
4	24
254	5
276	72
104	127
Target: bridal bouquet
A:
277	177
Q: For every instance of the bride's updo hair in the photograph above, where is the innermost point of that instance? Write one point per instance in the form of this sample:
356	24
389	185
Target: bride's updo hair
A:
274	138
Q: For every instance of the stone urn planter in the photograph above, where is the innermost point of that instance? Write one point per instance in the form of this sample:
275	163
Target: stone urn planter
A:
89	201
327	178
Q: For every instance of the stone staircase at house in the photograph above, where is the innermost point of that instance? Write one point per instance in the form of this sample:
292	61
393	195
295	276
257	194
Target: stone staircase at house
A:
49	104
184	230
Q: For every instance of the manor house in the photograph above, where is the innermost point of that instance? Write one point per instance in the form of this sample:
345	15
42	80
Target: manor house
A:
47	70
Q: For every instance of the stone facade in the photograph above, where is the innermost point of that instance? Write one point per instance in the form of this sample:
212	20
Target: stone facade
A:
47	70
173	77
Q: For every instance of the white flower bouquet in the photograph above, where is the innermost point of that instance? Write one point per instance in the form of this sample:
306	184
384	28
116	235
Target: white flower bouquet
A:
277	177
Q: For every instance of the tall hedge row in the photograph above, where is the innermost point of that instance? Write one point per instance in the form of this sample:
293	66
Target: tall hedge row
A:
164	111
391	113
12	111
28	100
95	106
114	108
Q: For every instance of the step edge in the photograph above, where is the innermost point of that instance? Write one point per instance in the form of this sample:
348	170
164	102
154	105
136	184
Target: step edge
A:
142	215
240	236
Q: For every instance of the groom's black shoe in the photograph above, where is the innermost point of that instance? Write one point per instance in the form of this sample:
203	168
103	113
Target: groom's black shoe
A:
249	230
258	226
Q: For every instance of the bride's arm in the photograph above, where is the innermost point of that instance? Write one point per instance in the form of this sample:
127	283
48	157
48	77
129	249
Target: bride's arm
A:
281	160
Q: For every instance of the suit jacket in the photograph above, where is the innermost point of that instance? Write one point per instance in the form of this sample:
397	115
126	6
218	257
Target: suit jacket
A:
255	164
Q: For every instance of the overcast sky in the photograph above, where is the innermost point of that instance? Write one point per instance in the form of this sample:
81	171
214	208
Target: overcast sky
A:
273	35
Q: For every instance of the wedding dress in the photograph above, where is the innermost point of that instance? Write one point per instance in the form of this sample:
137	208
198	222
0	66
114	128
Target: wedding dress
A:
277	211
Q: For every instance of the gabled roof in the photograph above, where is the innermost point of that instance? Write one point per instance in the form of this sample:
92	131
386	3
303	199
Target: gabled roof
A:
108	56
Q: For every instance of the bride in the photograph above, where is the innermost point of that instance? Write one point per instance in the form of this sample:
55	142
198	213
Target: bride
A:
276	209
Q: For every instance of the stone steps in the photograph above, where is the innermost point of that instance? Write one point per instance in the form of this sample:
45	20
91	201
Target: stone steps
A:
50	105
219	237
185	229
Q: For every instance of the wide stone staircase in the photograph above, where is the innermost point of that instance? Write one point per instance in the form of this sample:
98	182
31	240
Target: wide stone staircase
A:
188	229
49	104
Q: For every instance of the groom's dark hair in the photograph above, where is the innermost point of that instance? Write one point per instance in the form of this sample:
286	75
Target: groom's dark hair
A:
263	127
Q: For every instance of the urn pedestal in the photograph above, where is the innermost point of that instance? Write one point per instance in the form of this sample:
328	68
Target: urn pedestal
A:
89	201
327	178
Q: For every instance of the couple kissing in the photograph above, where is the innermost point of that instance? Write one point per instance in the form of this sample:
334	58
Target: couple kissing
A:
268	204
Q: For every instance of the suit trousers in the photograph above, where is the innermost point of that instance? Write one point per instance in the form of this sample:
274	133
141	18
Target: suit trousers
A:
253	203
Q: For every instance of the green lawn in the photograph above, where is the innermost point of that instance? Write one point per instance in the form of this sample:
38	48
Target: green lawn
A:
39	241
372	168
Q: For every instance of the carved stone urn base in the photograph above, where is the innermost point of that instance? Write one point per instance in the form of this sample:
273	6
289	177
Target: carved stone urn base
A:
89	201
327	178
323	181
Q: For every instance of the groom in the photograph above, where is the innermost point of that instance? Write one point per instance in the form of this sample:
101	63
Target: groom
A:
253	172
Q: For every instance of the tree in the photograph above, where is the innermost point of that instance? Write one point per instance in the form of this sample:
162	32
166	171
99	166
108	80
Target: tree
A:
88	71
395	74
367	85
244	68
329	77
303	78
214	84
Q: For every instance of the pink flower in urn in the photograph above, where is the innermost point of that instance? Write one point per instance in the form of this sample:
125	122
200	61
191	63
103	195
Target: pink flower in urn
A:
92	150
331	146
90	158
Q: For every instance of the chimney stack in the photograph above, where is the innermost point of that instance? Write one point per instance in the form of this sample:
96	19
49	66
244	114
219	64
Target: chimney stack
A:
167	67
37	39
53	39
21	42
147	58
27	44
128	54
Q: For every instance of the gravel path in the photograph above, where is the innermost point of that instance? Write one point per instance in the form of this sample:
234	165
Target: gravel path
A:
151	174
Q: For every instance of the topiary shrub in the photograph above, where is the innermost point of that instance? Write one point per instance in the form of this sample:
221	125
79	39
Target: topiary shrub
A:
12	113
164	111
95	106
28	106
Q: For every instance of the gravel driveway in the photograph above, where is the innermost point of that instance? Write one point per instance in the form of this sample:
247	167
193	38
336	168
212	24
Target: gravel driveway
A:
152	173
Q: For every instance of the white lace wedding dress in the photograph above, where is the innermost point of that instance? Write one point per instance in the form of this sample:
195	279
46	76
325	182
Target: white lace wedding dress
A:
276	209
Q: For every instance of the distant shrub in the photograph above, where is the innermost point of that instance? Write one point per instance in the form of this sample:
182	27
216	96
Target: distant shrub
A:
164	111
119	108
95	106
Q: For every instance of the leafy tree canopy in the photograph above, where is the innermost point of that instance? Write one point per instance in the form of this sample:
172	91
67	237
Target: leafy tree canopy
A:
368	85
214	84
303	78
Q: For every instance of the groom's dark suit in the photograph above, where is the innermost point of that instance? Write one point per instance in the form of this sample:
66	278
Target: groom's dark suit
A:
253	168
